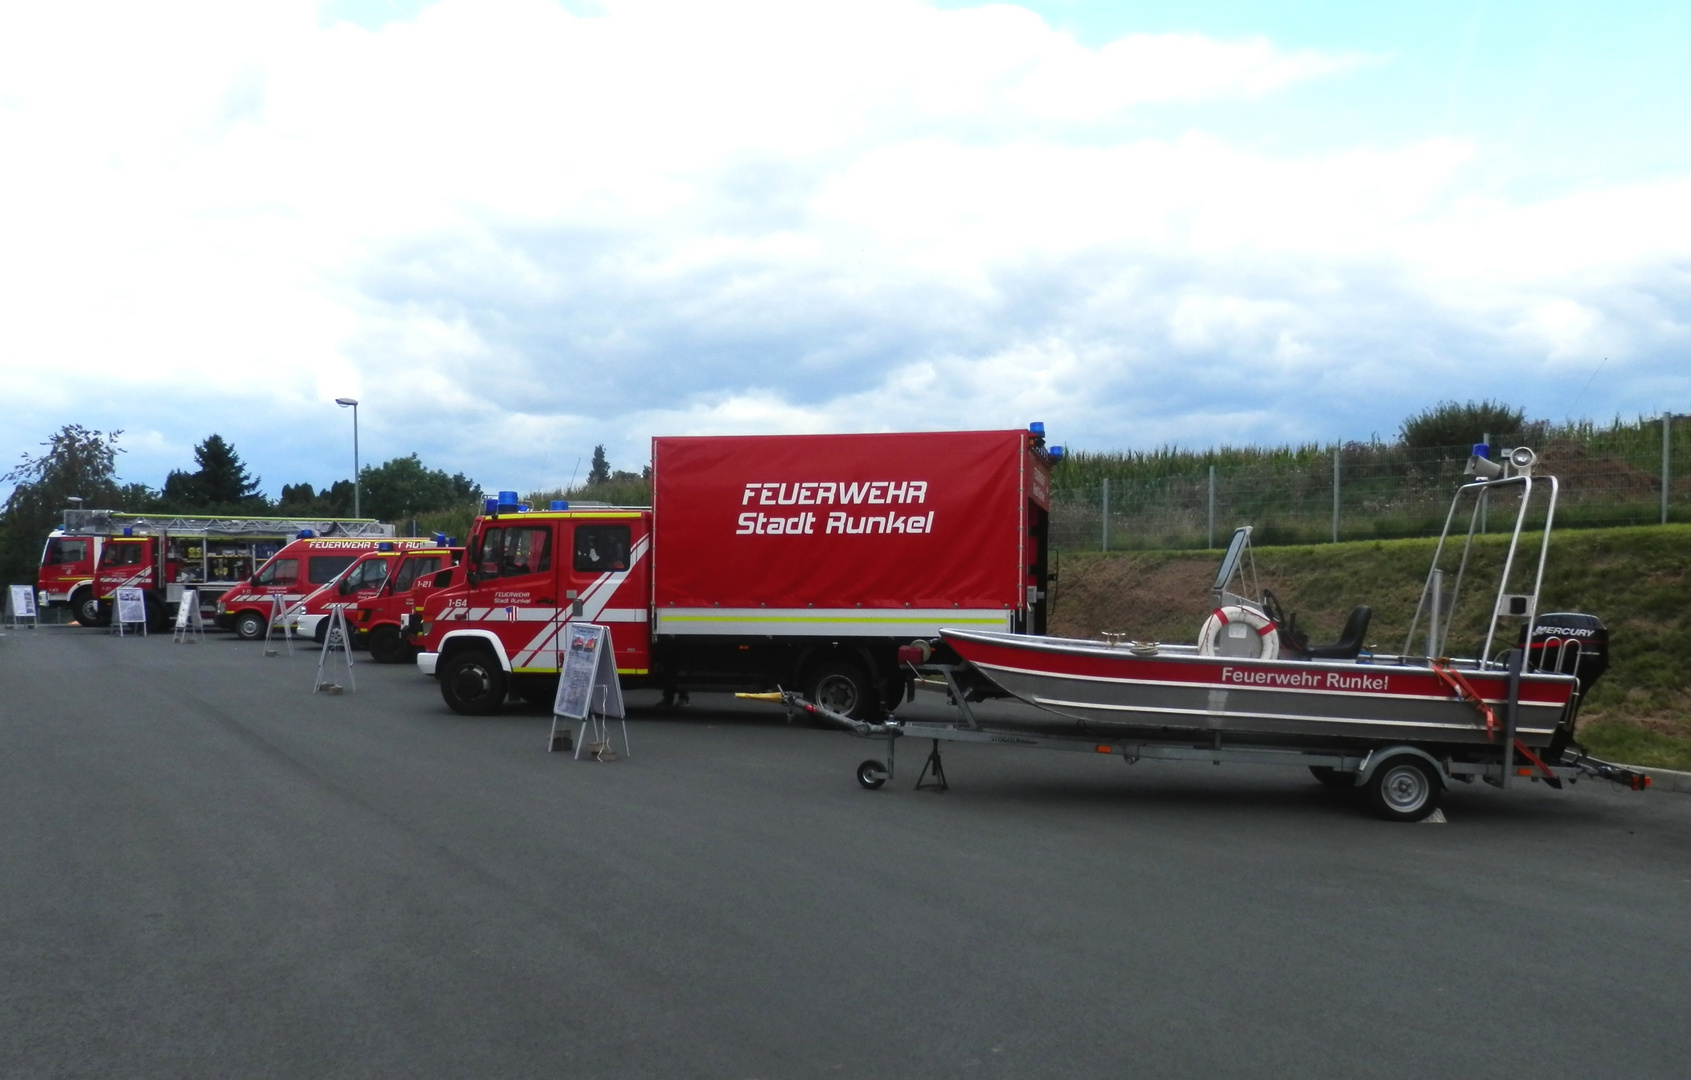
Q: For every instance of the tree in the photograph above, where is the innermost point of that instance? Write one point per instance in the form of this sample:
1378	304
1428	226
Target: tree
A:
78	462
402	487
223	479
1457	426
600	471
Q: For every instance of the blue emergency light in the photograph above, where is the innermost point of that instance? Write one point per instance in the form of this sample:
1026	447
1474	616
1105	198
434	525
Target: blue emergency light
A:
490	505
385	545
507	498
1037	427
1481	450
1055	453
127	531
451	541
560	504
440	538
306	534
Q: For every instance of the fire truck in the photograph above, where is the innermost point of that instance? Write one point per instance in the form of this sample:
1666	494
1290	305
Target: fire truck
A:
302	568
99	551
798	561
377	594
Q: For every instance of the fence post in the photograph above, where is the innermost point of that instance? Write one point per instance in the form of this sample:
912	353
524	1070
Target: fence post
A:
1667	443
1106	544
1335	494
1212	507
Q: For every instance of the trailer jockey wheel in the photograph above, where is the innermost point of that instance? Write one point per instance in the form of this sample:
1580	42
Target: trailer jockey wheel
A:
249	626
1404	788
871	774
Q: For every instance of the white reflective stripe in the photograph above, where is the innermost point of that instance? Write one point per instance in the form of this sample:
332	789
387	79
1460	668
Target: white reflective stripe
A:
622	615
829	622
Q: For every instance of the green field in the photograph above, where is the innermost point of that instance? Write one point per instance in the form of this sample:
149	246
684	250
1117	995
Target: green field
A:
1637	580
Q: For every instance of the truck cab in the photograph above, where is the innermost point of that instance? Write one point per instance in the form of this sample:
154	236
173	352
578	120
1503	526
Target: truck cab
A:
66	576
386	620
527	576
297	570
365	580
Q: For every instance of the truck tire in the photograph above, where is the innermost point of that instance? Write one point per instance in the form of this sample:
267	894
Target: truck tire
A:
473	683
841	685
249	625
1404	788
102	613
86	608
388	646
157	620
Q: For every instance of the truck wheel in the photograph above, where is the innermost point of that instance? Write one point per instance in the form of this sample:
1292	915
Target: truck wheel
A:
249	625
473	683
1333	778
841	685
102	613
387	646
157	621
322	632
86	608
1404	788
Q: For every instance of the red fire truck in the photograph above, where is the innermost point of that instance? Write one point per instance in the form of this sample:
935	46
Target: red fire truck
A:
802	561
388	621
299	570
99	551
366	589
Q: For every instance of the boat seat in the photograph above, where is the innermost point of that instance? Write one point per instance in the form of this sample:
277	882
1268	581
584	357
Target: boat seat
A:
1350	639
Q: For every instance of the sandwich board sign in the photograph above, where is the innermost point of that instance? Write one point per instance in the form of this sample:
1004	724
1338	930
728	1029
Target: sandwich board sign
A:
190	624
588	689
131	608
23	605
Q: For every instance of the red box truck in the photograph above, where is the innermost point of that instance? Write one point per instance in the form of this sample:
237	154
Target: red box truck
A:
765	560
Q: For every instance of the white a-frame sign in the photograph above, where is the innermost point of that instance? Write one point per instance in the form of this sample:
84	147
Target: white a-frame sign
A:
588	689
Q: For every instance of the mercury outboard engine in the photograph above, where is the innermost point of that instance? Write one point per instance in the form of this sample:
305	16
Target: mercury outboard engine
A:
1572	644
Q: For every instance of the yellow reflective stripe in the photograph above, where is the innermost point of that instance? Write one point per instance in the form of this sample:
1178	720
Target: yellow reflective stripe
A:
752	618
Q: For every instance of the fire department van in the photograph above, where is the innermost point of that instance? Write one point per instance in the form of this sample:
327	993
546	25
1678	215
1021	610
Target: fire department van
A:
293	573
361	581
165	555
387	621
803	561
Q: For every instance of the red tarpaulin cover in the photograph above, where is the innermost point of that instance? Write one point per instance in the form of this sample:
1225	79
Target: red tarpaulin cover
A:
925	520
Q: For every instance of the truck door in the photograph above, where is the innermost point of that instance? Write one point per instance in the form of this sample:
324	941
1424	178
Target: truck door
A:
608	573
515	594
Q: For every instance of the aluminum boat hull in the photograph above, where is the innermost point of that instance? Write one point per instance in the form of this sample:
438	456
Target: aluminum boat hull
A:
1174	693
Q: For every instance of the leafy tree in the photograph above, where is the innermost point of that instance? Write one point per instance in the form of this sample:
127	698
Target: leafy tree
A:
600	471
404	487
223	479
1457	426
78	461
299	500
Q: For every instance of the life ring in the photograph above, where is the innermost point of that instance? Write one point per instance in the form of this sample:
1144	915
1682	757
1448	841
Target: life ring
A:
1248	633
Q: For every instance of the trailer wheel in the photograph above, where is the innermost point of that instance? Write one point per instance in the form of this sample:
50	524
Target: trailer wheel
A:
1404	788
249	625
842	686
87	608
1333	778
386	645
871	774
473	683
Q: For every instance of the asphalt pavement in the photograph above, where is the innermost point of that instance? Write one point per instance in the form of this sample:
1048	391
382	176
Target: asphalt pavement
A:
207	871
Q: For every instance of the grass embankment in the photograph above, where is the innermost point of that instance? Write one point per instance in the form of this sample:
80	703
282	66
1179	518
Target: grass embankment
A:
1637	580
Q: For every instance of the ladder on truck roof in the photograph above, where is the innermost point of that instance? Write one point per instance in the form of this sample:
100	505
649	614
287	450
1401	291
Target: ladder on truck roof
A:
113	522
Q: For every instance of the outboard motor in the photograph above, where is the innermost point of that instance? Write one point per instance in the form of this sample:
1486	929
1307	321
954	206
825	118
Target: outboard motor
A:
1572	644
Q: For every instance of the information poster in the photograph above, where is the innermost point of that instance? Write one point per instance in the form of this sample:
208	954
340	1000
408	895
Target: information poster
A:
589	662
131	606
23	602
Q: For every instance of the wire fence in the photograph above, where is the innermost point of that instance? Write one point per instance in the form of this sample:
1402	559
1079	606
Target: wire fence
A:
1364	491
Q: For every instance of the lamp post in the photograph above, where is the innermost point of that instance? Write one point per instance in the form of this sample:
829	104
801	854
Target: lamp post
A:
348	402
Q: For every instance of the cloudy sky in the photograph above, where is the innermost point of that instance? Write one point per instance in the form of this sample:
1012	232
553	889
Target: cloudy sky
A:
517	228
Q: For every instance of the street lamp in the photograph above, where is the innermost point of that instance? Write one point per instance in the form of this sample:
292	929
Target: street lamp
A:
346	402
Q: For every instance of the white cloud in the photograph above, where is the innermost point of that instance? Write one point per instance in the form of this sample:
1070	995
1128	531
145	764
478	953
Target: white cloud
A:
514	231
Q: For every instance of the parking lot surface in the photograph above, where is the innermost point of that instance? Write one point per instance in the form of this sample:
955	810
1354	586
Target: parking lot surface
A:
206	871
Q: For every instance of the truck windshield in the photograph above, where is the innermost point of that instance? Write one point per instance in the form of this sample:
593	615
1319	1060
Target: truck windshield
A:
323	569
278	572
368	575
513	552
62	552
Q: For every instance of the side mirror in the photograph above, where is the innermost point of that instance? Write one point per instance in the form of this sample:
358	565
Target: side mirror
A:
345	587
472	577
